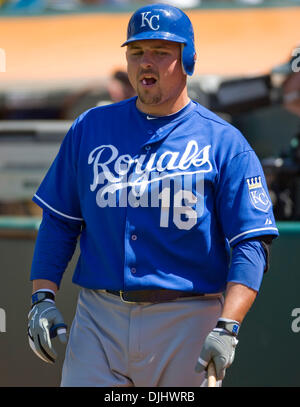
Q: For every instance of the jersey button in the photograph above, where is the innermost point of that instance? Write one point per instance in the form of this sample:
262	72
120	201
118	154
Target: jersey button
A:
133	270
133	237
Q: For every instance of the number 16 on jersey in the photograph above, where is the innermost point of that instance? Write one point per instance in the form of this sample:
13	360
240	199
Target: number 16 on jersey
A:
182	200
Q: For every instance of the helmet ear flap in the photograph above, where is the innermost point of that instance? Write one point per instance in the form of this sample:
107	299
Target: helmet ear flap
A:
188	59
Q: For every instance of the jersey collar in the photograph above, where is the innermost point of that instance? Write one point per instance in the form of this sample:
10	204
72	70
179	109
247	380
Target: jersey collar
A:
154	120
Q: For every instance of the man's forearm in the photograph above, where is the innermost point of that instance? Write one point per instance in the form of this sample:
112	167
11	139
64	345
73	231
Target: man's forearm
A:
238	301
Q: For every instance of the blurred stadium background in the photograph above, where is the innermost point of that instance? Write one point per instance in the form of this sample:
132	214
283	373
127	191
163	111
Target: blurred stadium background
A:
61	57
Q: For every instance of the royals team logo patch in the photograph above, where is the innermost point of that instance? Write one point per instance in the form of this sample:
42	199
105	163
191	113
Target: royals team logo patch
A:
258	196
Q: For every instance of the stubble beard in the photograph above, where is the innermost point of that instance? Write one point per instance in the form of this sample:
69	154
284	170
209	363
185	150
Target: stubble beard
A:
147	98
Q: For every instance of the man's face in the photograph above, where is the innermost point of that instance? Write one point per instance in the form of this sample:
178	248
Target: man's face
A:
155	72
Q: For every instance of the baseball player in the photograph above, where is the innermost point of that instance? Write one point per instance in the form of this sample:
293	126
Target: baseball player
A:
172	210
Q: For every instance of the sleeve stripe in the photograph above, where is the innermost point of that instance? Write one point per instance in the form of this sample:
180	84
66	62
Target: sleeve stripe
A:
250	231
54	210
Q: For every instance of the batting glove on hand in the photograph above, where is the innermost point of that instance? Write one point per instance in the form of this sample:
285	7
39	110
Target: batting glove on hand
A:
219	347
45	322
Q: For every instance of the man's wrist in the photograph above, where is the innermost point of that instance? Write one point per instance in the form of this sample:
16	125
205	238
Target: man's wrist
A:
42	295
229	325
44	285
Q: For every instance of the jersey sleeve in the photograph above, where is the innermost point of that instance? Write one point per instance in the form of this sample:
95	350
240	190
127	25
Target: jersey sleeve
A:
54	236
243	203
248	263
58	192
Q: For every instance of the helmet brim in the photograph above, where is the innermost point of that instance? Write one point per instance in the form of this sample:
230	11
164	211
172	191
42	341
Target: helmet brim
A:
147	35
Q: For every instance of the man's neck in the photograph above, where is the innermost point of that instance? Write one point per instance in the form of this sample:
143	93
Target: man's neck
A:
163	109
165	115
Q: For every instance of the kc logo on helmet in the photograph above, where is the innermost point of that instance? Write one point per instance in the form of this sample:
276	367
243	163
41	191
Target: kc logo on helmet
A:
149	20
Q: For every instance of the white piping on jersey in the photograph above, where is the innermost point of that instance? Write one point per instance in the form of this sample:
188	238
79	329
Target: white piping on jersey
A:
54	210
250	231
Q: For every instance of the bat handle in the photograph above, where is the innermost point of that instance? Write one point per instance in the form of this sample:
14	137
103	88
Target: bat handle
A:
211	375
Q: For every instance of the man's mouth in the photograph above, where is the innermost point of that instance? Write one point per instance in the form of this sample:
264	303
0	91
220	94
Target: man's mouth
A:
148	80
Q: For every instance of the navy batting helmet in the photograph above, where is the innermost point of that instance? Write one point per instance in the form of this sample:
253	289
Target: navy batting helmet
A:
164	22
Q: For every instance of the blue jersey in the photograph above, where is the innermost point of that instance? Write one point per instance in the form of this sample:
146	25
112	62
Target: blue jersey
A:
161	199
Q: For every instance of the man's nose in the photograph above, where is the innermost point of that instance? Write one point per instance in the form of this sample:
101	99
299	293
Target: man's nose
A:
146	60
